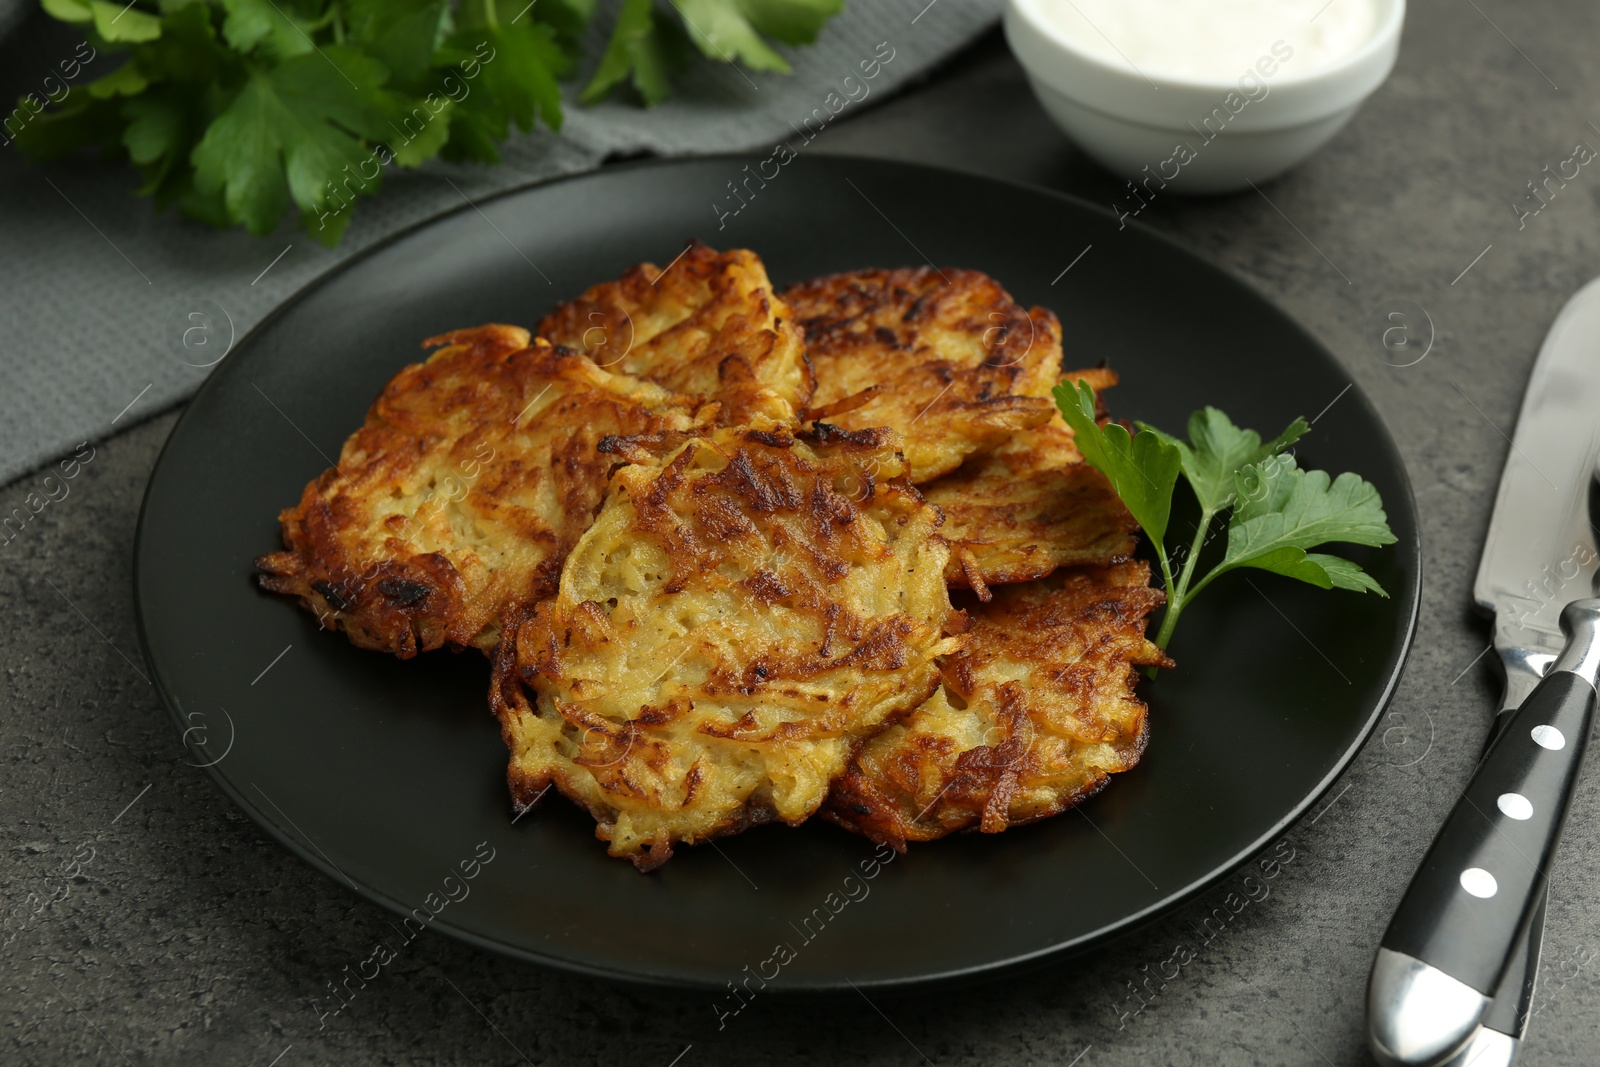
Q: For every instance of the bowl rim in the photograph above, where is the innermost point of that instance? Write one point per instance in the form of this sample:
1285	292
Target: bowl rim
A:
1391	18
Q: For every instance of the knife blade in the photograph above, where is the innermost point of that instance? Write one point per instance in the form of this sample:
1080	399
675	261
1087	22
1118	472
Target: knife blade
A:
1467	930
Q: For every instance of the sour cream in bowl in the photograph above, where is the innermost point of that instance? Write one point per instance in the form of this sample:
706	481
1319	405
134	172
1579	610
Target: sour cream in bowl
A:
1203	96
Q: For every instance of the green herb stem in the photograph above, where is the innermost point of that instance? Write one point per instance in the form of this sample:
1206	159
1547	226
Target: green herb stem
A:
1166	569
1194	550
1178	594
1206	580
327	18
1174	602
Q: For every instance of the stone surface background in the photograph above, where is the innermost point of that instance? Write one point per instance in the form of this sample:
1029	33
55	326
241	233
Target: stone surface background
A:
189	938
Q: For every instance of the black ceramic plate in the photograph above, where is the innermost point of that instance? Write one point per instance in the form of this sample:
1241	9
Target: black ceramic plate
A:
388	776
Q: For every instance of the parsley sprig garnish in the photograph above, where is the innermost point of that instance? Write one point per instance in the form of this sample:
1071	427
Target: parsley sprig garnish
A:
238	110
1275	512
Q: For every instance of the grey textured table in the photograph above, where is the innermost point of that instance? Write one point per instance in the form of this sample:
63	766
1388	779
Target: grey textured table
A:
188	937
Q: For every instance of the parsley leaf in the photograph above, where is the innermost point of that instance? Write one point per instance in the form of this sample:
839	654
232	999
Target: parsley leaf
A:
113	22
725	30
1143	469
1220	449
401	34
1277	512
1283	511
1341	574
253	24
645	48
515	67
793	22
641	51
569	18
163	127
295	131
124	81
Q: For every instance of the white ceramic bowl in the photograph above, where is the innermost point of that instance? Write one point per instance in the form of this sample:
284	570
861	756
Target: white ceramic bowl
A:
1134	124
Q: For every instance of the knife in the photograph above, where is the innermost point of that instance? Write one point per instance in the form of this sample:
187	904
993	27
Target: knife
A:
1498	1038
1449	962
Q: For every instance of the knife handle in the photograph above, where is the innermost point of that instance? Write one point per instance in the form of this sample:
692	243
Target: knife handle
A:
1474	895
1513	998
1498	1039
1506	1021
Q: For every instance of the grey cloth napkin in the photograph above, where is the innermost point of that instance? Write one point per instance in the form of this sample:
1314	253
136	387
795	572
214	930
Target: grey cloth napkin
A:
99	291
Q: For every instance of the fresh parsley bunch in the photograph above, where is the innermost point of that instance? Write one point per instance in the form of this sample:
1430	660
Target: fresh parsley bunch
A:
1276	512
234	110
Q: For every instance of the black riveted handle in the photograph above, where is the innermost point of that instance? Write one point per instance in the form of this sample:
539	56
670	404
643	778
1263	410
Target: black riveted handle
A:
1481	879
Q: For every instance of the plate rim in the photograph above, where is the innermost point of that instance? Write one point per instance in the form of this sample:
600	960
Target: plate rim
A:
992	970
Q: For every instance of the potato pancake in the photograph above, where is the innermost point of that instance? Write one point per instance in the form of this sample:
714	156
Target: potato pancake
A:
708	325
1030	506
474	474
1036	712
946	358
746	607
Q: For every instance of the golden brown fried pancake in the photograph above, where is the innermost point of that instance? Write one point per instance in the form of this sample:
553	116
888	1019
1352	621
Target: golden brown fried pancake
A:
709	325
744	610
474	474
946	358
1030	506
1035	713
